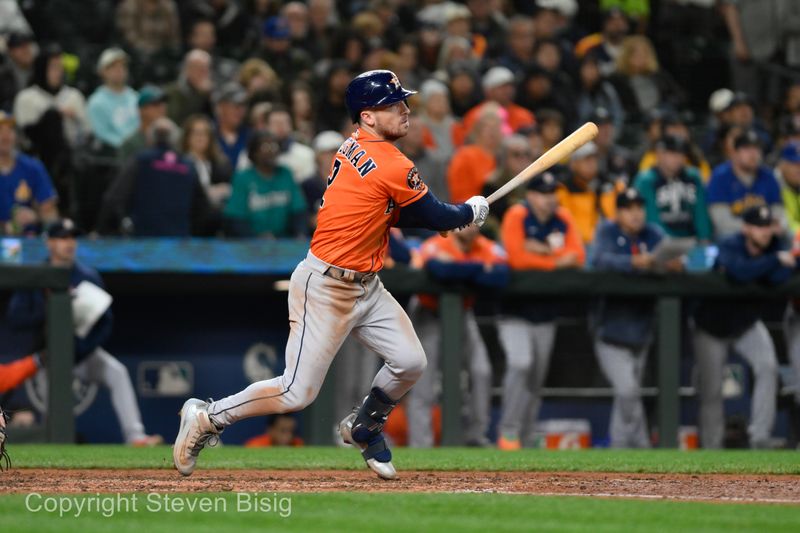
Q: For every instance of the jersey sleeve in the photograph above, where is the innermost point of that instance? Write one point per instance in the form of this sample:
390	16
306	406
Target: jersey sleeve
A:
403	183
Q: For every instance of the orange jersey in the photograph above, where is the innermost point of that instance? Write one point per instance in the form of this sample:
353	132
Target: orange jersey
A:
560	233
518	117
369	181
483	250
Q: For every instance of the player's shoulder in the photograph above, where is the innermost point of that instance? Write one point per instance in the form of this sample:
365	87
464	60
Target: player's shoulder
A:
517	211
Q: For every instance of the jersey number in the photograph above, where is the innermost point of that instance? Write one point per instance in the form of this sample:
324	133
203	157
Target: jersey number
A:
337	165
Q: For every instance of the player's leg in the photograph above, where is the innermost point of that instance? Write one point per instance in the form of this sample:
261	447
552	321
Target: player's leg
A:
517	345
710	354
103	368
543	336
757	348
422	396
639	434
619	367
355	367
383	326
480	372
792	331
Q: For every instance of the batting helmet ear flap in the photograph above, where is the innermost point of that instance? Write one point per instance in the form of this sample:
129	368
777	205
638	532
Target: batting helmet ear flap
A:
374	88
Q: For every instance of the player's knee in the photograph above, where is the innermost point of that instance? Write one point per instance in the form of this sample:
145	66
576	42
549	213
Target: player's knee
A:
415	365
298	400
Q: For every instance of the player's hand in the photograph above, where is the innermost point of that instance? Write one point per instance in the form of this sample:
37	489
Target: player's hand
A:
535	246
787	259
480	209
568	260
642	261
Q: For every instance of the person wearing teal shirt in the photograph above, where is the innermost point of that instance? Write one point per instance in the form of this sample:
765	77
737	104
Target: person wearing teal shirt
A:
265	200
673	192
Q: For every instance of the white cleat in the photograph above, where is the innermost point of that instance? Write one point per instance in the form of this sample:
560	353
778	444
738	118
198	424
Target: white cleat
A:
195	431
385	470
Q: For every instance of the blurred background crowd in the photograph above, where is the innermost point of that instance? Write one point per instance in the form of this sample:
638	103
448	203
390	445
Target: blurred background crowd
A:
220	118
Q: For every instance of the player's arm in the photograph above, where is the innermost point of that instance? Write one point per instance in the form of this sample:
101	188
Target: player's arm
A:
431	213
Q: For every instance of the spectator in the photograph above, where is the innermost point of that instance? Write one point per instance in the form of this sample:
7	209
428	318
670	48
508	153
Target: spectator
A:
16	72
489	24
623	327
438	119
471	164
53	117
538	235
585	194
406	63
520	44
431	169
736	110
614	161
281	431
515	155
788	176
191	92
596	92
539	92
675	125
232	131
673	192
230	22
265	200
259	81
458	23
752	254
94	364
606	47
325	145
498	86
152	106
203	36
741	183
149	26
551	127
27	196
212	167
296	15
640	82
113	106
295	156
331	98
11	18
464	91
158	194
467	256
304	114
277	51
323	22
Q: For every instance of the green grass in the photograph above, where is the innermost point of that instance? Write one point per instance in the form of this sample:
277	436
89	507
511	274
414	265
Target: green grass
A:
234	457
414	512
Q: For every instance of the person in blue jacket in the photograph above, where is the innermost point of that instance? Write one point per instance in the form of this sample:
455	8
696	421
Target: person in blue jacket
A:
754	255
623	327
93	364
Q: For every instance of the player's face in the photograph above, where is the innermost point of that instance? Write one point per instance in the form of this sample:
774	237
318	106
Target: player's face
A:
62	250
544	204
390	122
747	158
282	431
631	219
760	236
669	162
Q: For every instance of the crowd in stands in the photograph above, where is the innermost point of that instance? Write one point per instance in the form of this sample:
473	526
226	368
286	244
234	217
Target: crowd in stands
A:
221	117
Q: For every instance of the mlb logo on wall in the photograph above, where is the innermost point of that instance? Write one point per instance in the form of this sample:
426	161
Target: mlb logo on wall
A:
165	378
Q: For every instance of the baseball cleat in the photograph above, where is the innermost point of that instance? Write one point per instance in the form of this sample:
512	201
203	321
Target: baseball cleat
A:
372	451
196	430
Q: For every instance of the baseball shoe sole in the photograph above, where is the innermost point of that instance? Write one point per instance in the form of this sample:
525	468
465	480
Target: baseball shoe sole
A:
195	431
384	470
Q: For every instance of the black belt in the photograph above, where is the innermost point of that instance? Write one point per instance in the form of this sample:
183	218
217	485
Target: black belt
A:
347	275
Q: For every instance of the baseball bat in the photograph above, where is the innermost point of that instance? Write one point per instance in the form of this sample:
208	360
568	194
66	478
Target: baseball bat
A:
560	151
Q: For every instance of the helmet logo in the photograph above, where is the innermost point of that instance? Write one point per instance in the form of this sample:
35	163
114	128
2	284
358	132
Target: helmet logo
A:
396	82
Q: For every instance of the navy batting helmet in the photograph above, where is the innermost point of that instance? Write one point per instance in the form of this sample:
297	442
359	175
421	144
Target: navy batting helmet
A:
375	88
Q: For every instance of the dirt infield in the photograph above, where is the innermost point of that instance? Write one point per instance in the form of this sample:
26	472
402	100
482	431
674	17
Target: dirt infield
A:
750	488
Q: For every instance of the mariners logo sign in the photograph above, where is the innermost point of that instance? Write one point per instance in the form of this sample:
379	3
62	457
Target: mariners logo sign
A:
414	180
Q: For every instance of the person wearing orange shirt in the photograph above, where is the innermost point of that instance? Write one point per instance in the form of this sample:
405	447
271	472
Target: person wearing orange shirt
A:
471	164
585	194
499	87
463	256
14	373
280	432
537	235
335	291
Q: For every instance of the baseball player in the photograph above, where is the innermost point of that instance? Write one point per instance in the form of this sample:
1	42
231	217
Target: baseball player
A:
462	256
335	290
538	235
5	461
624	326
754	254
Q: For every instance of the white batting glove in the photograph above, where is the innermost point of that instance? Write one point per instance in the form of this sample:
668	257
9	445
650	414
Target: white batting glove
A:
480	209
